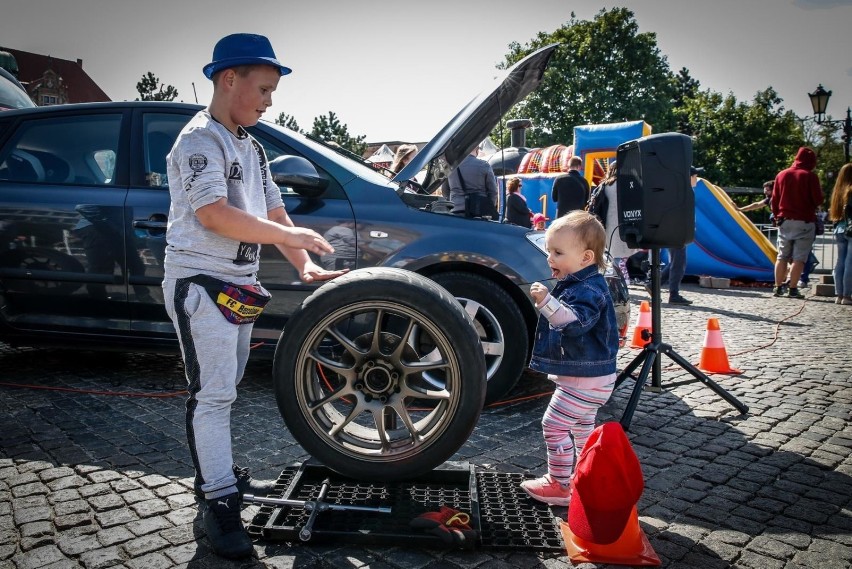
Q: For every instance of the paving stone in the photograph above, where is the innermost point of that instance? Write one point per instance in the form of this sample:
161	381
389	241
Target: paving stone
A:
102	558
142	545
114	535
75	545
39	557
767	489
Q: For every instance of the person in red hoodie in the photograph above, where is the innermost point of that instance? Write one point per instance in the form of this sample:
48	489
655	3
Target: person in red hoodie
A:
795	198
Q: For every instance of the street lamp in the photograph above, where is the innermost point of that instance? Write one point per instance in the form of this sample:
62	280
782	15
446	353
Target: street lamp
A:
819	102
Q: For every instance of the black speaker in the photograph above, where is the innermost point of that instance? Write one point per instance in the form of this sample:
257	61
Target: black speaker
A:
656	202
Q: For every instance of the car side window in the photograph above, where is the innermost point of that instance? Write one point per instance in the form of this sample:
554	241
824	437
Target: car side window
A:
78	150
159	132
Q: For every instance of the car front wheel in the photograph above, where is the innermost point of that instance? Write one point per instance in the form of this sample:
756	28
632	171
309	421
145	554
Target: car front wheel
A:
500	325
380	375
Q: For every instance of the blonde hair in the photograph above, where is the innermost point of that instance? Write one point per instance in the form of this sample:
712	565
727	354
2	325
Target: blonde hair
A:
586	227
840	194
513	185
402	152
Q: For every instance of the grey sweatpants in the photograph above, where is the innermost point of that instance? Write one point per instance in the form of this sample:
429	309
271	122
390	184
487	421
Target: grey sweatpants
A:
214	355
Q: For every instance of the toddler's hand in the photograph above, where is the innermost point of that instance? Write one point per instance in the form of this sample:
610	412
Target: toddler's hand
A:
539	292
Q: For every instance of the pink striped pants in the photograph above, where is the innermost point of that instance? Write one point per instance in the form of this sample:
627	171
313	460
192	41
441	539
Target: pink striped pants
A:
570	420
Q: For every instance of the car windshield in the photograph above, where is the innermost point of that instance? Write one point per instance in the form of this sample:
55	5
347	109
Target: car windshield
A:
11	96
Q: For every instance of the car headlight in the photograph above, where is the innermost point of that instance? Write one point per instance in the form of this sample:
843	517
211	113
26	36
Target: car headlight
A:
537	239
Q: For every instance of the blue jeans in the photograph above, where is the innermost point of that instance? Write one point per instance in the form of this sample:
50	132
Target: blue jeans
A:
674	271
843	266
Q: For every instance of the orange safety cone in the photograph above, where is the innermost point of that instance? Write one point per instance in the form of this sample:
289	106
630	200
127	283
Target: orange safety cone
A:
714	357
631	548
644	323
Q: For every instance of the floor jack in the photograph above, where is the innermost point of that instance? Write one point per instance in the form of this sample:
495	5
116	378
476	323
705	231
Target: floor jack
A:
314	507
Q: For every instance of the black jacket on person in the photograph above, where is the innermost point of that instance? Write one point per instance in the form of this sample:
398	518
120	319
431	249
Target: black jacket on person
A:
517	211
570	192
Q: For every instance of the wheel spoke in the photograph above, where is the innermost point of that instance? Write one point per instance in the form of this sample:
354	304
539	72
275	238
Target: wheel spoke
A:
406	420
403	342
421	393
379	418
377	332
346	343
421	366
472	307
493	348
331	397
360	407
348	372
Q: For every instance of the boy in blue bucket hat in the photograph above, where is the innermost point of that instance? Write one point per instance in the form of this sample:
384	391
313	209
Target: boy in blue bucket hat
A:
224	205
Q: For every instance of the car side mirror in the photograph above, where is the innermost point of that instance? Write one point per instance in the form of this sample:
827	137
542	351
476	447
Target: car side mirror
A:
298	173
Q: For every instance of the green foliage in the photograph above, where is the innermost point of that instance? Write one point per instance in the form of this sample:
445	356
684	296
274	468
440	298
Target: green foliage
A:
288	121
150	89
604	71
741	144
330	129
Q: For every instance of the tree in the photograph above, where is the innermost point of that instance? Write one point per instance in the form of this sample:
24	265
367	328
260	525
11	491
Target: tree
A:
150	89
741	144
288	121
685	87
604	71
330	129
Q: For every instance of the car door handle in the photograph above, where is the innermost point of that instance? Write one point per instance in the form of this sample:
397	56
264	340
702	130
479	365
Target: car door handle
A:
146	224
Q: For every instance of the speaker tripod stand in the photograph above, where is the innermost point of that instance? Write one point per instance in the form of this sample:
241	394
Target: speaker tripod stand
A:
650	357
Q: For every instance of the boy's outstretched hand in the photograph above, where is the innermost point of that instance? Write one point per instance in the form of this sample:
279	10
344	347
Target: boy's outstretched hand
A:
313	272
307	239
539	292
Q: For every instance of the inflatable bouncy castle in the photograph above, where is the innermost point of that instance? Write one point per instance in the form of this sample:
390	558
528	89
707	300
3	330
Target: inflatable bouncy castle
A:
727	243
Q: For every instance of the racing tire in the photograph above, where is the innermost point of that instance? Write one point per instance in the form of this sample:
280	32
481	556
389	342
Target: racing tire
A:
500	325
379	375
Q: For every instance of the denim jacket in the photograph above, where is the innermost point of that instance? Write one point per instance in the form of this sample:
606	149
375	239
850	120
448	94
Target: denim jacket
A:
586	347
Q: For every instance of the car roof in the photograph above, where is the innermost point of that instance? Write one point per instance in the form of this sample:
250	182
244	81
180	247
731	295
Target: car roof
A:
115	105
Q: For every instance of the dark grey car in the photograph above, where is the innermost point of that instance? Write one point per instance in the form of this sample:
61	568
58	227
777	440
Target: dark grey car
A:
83	211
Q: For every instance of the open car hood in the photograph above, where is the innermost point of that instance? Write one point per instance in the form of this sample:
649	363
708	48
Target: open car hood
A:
476	120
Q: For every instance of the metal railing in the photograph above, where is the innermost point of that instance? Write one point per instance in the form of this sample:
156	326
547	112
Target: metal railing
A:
825	247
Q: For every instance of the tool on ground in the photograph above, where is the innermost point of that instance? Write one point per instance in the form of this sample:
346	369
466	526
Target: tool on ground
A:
450	525
314	507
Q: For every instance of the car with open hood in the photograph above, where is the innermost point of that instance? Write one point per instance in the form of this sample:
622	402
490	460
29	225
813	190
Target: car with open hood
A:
83	211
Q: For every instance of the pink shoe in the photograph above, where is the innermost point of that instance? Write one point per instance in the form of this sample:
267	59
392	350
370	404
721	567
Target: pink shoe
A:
547	490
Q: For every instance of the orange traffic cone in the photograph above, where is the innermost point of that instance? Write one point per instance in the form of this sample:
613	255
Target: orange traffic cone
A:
714	357
631	548
644	323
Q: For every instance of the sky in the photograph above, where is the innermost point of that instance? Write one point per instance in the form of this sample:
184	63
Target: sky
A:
399	71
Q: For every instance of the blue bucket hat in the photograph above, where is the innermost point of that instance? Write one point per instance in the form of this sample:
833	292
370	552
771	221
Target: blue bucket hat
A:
242	49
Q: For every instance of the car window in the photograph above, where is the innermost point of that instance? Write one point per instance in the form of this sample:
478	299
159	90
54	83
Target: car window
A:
159	131
65	150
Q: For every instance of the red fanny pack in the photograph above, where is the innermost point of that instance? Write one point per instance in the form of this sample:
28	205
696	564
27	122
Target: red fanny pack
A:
239	304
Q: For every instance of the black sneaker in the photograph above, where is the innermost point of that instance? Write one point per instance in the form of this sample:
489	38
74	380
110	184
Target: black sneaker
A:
794	293
225	529
245	484
678	299
779	290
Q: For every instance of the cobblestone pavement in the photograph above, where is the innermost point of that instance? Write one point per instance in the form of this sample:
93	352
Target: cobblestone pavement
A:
97	480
